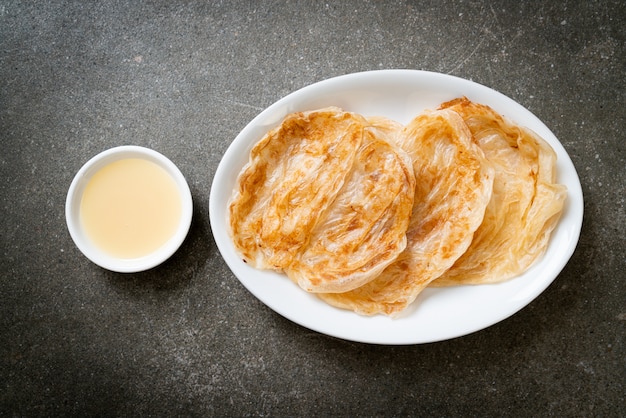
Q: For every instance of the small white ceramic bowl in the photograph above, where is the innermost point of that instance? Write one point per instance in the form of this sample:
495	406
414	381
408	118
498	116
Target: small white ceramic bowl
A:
75	193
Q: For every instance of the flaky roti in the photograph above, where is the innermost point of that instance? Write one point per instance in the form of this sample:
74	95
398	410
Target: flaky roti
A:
526	202
325	198
453	186
293	175
364	229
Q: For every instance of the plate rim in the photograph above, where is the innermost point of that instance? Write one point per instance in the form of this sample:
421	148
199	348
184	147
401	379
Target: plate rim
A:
269	118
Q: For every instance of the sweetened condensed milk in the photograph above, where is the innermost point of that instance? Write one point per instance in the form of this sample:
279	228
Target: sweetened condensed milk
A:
130	208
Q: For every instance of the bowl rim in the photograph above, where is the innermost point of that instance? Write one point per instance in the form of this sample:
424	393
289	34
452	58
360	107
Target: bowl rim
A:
72	210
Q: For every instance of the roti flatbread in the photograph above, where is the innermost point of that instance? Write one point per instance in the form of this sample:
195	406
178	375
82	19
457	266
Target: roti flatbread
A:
525	205
293	175
364	229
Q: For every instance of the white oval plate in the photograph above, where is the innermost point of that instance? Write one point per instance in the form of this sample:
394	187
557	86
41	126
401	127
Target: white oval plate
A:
438	313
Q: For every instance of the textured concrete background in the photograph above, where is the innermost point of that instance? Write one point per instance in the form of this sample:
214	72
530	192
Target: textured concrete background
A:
186	338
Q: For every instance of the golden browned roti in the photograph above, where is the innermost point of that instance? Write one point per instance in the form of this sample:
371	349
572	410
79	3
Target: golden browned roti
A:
366	213
525	205
324	198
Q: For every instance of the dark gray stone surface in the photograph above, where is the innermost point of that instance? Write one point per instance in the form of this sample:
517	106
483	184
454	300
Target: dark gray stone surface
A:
186	338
